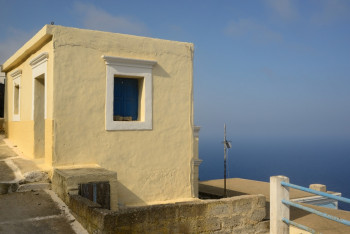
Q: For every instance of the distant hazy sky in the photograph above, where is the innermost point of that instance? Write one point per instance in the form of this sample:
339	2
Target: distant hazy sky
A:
273	68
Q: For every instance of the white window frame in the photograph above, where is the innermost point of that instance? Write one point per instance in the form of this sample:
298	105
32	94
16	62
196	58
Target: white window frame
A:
16	81
128	67
39	68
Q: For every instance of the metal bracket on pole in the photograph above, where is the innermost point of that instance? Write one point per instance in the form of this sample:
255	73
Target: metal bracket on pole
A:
227	145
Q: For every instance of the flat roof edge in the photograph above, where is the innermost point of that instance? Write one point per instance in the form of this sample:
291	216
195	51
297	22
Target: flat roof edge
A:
39	39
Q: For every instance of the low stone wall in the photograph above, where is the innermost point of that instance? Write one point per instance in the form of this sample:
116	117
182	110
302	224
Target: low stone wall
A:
242	214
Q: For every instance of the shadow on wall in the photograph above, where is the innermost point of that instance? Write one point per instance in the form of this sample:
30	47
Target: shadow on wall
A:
159	71
125	196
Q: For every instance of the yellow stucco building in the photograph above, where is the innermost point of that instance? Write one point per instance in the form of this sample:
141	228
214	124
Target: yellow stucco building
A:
81	97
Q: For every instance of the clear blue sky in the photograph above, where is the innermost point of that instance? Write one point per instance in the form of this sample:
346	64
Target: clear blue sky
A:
273	68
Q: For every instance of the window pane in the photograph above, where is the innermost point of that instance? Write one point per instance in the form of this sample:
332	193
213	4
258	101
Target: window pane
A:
126	96
16	101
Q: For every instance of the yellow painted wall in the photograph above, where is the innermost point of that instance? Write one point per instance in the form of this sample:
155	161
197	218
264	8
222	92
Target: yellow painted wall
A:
152	165
21	133
49	135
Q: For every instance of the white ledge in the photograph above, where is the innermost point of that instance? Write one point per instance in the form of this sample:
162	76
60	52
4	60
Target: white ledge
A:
39	58
16	73
128	61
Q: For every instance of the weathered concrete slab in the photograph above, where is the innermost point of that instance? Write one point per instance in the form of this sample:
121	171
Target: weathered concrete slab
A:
66	181
36	176
2	137
6	173
26	205
51	225
25	165
31	212
33	186
8	187
6	152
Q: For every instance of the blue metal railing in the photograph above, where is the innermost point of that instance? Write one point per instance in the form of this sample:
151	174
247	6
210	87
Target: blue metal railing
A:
323	194
319	213
289	222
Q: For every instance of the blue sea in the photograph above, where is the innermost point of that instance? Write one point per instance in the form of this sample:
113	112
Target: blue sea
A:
305	160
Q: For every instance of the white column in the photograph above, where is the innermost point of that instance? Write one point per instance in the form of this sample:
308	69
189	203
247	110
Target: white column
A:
278	210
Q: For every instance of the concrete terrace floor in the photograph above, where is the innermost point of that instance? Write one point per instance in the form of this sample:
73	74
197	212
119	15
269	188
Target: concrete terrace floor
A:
34	210
238	186
31	212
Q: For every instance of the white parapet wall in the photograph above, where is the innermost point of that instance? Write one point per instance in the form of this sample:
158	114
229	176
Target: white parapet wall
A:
278	210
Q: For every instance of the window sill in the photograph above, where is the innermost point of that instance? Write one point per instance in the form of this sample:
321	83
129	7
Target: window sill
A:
128	125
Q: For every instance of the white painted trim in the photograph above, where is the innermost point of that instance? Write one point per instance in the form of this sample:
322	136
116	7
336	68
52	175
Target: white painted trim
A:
39	59
128	62
16	81
39	67
16	73
117	66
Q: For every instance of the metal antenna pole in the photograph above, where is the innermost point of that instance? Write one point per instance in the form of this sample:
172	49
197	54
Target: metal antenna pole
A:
225	149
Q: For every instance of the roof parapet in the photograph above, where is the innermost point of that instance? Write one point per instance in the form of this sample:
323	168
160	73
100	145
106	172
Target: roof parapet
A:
37	41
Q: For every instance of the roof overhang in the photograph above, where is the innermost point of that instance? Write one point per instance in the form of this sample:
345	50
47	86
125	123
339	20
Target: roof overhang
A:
35	43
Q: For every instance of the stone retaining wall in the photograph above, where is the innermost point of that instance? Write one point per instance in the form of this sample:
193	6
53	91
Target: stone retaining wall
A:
242	214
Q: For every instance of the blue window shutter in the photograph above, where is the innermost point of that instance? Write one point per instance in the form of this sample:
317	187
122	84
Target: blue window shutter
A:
131	98
126	97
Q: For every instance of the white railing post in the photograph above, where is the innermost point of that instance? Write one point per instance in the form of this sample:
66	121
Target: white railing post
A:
278	210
